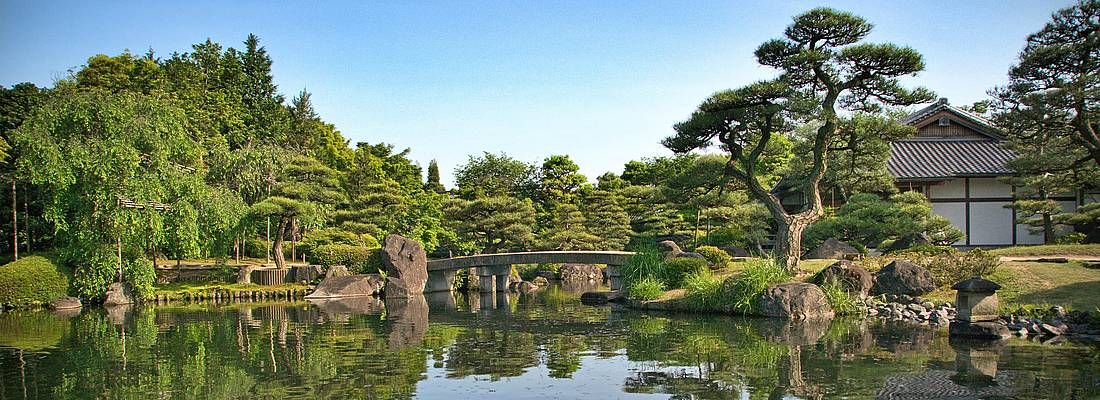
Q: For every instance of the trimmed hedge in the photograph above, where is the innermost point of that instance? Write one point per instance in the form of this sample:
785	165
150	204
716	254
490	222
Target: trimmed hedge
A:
357	259
33	280
717	257
677	268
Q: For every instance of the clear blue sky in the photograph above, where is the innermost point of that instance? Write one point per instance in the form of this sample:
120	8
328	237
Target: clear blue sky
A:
600	81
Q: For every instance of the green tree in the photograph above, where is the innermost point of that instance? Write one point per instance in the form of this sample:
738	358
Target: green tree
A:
607	220
495	175
433	184
93	154
559	180
493	223
824	68
306	191
568	230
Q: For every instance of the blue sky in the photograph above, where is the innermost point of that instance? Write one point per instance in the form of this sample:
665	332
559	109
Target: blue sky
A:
600	81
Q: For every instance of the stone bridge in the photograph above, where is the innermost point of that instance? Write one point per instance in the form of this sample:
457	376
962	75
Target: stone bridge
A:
493	269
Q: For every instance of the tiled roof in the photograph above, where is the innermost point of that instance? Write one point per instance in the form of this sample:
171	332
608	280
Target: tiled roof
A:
941	159
977	122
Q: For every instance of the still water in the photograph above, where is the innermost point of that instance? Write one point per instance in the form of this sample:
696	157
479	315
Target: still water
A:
546	345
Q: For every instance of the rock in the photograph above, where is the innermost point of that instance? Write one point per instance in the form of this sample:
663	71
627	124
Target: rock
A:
547	275
580	273
833	249
916	308
337	270
854	279
668	246
306	273
523	287
978	330
1058	311
928	305
597	298
406	267
118	294
1052	330
244	274
1057	260
65	303
1092	264
909	241
540	281
903	277
735	251
798	301
688	254
348	286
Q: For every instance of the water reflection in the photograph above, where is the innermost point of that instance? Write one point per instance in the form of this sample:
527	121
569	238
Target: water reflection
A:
507	346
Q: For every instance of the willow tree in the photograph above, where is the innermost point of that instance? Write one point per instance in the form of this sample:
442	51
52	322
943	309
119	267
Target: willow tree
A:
109	164
824	68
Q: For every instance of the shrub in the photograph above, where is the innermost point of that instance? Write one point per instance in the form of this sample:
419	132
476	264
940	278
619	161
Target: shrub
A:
31	281
1070	238
715	256
868	220
839	298
758	274
676	269
946	264
357	259
926	250
704	292
647	288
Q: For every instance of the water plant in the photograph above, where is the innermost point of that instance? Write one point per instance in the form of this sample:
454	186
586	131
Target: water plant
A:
704	292
648	288
843	303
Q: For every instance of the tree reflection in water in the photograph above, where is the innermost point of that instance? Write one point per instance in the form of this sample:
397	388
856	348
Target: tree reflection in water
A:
541	345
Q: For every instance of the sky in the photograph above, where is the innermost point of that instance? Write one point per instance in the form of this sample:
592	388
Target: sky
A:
601	81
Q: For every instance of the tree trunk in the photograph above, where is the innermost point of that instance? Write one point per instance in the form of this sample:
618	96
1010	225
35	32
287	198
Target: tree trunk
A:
27	220
1048	229
294	239
14	221
277	244
788	240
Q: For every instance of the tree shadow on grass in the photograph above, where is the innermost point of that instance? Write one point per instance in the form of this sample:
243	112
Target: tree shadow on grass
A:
1084	296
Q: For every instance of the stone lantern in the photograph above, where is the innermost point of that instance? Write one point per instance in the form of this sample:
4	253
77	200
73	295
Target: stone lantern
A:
977	304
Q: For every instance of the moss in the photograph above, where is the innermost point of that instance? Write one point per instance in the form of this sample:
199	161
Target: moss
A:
32	281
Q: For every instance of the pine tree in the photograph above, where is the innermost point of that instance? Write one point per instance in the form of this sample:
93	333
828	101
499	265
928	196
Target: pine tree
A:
433	184
607	220
568	231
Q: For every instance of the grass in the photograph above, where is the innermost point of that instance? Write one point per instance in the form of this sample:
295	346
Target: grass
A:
202	287
646	289
757	276
843	303
704	292
1035	284
1080	250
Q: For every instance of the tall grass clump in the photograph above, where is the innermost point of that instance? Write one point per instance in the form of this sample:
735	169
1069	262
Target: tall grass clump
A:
753	280
645	289
677	269
647	262
843	303
704	292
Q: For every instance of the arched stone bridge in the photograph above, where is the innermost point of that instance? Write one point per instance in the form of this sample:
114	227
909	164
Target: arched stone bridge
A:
493	269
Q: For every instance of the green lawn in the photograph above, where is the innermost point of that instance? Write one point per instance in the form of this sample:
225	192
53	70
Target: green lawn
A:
197	287
1080	250
1042	284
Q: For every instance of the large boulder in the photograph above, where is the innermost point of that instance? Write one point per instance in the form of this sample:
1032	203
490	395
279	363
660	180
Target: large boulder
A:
336	270
735	251
903	277
244	274
919	239
547	275
119	294
668	246
347	286
580	273
406	267
65	303
796	300
833	249
523	287
852	278
541	281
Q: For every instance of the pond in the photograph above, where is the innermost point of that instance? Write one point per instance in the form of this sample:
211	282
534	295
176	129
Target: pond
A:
546	345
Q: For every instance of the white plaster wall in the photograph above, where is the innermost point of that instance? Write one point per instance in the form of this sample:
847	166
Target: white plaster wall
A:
952	189
954	212
989	187
991	224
